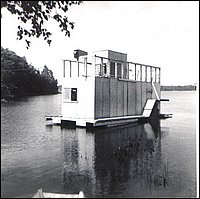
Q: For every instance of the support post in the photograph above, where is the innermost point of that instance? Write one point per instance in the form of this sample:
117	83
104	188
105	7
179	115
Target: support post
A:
135	72
145	73
63	68
140	72
159	75
78	66
127	70
101	67
70	64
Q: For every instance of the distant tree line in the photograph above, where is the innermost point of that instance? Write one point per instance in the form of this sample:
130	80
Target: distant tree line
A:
18	78
178	88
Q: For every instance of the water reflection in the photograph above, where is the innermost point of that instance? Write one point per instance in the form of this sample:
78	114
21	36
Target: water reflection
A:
108	162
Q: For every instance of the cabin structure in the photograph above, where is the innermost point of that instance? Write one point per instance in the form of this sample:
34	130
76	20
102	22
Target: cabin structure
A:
104	89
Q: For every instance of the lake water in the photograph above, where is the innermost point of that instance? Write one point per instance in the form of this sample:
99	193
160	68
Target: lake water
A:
134	161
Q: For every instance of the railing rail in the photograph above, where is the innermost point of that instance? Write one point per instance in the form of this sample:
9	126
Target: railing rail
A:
108	67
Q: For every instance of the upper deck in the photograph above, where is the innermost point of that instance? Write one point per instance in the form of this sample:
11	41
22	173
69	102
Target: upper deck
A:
110	65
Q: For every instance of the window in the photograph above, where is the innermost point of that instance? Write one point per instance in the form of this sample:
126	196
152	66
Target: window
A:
70	94
125	74
66	94
74	94
97	69
112	69
104	69
119	70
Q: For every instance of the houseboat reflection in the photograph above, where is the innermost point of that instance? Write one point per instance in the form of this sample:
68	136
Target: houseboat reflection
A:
109	161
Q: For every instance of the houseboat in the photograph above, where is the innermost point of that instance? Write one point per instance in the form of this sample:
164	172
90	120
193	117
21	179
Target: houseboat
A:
104	89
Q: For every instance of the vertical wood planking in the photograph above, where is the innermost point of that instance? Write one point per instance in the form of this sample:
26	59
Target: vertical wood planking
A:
113	97
106	97
149	94
98	97
144	94
120	98
131	98
125	98
138	98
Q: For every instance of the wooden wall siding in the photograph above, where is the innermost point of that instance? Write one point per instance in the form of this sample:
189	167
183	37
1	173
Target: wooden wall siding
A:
120	98
148	89
131	92
114	97
98	98
125	99
144	94
138	98
106	98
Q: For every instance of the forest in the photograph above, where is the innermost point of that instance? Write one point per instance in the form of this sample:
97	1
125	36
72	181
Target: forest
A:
178	88
19	79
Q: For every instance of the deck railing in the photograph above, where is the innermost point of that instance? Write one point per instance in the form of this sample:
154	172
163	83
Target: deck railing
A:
112	68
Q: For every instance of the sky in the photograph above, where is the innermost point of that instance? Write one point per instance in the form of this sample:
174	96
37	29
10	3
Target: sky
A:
159	33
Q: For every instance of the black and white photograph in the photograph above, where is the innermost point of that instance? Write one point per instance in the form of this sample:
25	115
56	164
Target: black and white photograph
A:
99	99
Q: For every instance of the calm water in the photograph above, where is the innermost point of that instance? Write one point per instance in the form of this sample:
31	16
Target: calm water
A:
133	161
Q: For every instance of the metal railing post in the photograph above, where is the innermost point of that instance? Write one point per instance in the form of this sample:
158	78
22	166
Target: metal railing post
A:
145	73
78	66
140	72
135	73
70	64
63	68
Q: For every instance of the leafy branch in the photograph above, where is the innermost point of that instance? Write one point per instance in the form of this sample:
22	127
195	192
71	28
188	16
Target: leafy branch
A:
37	13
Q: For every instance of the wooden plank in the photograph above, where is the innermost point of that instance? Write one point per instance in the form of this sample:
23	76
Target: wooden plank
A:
149	104
120	98
147	113
149	88
106	97
148	107
157	86
113	97
120	118
125	98
131	92
144	94
138	98
98	98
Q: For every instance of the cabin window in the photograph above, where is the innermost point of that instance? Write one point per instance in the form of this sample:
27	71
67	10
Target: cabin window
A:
119	70
66	94
112	69
70	94
74	94
104	69
97	69
125	75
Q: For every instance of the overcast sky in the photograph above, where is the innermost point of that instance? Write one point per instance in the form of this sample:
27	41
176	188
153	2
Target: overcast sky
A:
160	33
